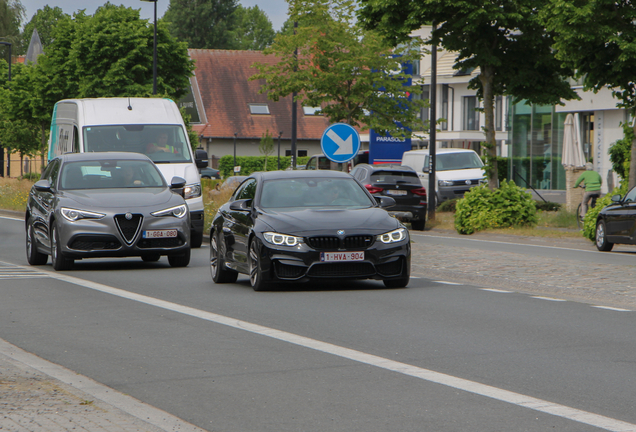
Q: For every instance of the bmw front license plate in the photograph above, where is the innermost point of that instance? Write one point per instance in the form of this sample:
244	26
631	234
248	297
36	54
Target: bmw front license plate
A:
160	234
341	256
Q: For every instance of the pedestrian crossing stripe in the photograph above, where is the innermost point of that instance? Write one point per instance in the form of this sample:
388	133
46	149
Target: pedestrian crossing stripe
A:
8	271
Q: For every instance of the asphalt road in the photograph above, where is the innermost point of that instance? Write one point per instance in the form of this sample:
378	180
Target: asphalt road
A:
435	356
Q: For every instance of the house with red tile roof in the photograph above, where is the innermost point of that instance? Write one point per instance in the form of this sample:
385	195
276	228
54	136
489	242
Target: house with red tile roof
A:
229	107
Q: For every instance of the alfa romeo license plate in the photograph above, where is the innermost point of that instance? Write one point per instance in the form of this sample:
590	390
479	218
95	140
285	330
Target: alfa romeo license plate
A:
341	256
160	234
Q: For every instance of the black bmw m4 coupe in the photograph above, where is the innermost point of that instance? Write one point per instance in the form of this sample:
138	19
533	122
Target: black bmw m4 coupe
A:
295	226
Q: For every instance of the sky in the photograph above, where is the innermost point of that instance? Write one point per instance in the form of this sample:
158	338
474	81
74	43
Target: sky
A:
276	10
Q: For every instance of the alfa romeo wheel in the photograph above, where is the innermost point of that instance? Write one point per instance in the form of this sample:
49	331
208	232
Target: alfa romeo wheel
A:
59	261
33	256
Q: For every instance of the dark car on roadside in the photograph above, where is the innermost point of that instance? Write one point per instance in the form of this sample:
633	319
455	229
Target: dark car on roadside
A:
296	226
209	173
400	183
616	223
106	204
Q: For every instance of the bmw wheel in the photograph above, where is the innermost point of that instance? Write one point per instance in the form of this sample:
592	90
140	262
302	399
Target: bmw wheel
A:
220	274
256	273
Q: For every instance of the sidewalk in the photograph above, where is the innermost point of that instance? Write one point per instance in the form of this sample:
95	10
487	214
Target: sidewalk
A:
36	395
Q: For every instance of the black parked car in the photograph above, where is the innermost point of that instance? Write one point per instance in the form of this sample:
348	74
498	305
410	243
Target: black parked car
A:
89	205
292	226
616	223
209	173
400	183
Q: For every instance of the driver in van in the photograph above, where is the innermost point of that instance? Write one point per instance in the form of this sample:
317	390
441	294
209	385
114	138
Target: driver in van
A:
161	145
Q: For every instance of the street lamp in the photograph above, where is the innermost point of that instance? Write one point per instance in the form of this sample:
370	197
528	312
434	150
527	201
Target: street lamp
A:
154	52
235	134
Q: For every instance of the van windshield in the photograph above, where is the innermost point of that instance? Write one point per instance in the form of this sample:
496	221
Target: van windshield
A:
161	143
457	161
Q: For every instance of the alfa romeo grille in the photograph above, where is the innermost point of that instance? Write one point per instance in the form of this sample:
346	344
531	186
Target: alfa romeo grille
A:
128	228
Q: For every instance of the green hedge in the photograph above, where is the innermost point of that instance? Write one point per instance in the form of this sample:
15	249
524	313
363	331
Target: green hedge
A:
482	208
250	164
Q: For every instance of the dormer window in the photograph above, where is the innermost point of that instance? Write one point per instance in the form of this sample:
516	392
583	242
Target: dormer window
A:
311	111
259	109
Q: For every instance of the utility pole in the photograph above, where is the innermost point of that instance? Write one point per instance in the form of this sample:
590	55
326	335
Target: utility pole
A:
432	145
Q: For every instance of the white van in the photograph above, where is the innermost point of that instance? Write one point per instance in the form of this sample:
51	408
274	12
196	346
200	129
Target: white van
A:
133	125
456	170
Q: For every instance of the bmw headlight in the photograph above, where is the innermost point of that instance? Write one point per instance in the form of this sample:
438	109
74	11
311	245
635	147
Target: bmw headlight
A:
282	239
445	182
73	215
179	211
393	236
192	191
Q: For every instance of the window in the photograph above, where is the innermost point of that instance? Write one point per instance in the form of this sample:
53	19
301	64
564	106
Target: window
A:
471	115
247	190
498	112
302	153
311	111
444	113
259	109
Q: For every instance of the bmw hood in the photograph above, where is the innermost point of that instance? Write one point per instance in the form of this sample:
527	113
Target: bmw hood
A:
120	198
315	221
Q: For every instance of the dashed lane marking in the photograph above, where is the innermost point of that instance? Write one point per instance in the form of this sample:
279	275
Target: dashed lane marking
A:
612	308
496	290
548	298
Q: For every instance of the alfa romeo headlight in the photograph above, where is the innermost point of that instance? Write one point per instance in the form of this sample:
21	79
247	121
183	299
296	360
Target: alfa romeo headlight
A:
179	212
393	236
192	191
282	239
73	214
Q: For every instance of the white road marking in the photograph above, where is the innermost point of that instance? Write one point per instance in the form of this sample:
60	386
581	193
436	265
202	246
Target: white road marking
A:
612	308
514	398
447	283
548	298
132	406
495	290
11	218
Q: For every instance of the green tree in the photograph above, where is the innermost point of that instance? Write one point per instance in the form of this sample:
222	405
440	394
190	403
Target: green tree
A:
45	20
266	146
334	64
206	24
254	30
504	39
11	16
597	38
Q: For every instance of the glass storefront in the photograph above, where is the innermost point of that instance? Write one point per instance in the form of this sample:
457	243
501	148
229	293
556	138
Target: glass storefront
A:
537	139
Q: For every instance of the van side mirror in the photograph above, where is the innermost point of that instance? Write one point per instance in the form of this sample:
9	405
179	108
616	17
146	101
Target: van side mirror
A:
201	158
425	168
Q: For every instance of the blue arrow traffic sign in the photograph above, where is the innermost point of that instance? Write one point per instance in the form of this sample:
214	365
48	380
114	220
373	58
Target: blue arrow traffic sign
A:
340	142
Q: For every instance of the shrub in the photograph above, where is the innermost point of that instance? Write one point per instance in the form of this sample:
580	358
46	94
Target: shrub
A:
448	206
507	206
31	176
250	164
547	206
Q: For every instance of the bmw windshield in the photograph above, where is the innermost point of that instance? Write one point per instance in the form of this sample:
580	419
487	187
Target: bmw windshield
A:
314	193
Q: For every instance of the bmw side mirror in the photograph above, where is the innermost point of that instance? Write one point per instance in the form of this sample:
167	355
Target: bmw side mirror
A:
384	201
42	186
241	205
177	183
615	198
